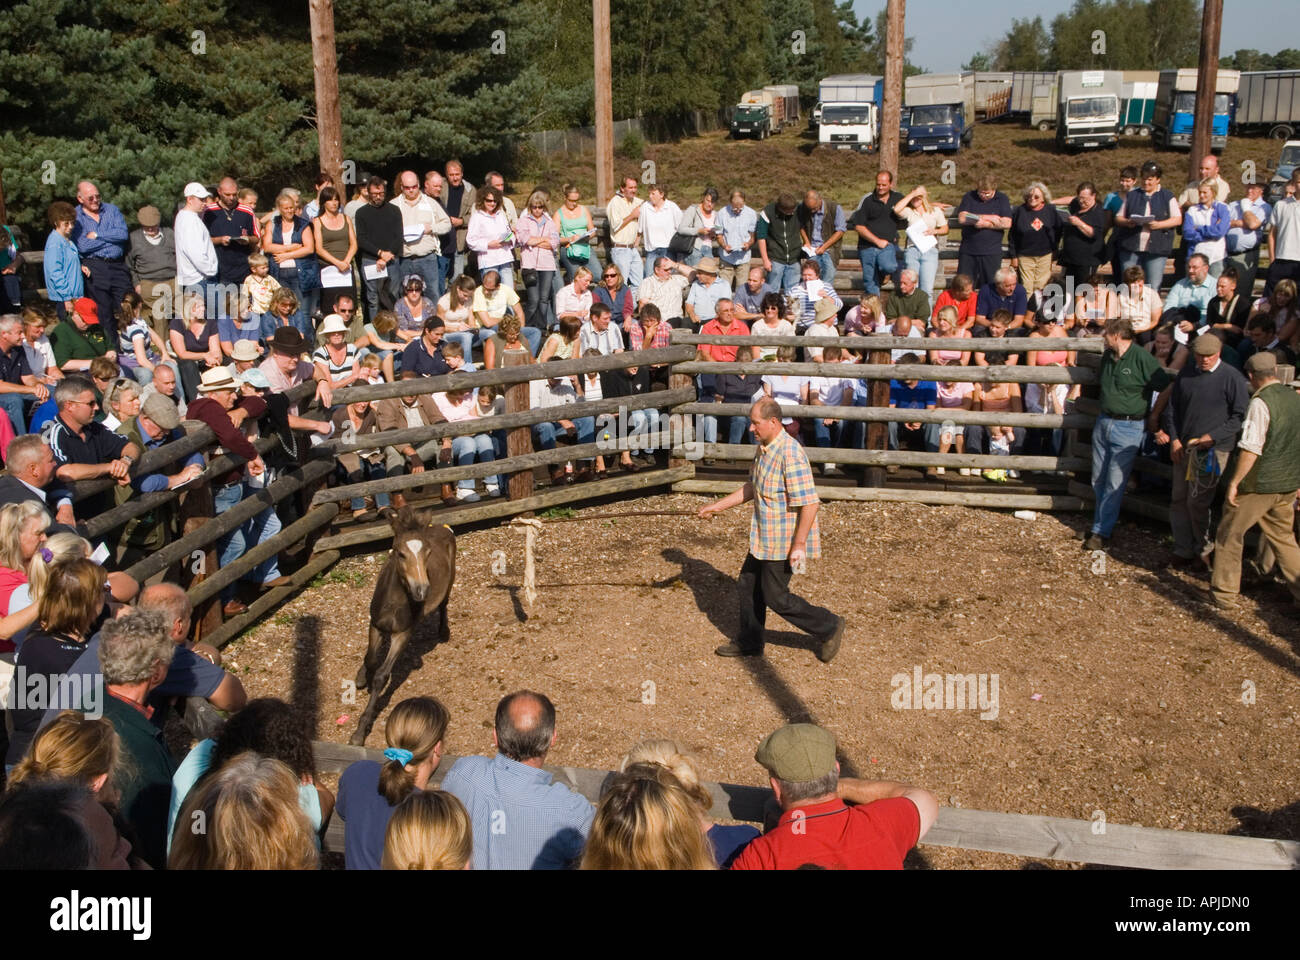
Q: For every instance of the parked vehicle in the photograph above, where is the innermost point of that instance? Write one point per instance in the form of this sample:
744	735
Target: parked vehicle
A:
938	112
788	94
1087	109
1138	102
1286	164
850	111
1021	103
1268	103
759	114
992	93
1175	109
815	118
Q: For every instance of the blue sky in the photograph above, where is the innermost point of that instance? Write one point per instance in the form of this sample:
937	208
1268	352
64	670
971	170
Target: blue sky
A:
968	28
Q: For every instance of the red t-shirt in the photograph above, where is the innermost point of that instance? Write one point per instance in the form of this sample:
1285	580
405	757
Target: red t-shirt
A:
721	353
872	836
965	308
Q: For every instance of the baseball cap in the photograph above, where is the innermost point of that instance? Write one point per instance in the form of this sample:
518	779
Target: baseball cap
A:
196	189
161	411
1262	362
255	378
798	752
1207	345
87	310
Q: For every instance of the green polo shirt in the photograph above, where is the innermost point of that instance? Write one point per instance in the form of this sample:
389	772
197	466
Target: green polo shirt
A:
1127	382
69	343
147	790
915	305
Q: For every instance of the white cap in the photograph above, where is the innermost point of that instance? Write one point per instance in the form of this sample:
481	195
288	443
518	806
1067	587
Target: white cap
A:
196	189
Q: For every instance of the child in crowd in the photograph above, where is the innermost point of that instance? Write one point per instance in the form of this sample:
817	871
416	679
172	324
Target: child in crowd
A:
372	371
255	297
139	348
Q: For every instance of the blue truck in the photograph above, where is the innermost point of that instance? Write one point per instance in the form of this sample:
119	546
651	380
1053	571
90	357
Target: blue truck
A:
1172	119
938	112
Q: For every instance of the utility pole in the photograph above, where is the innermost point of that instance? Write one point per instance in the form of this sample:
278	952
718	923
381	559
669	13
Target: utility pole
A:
1207	79
329	116
604	101
891	118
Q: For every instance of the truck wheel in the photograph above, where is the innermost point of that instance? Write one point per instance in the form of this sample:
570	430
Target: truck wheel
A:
1044	125
1130	131
1144	131
1281	132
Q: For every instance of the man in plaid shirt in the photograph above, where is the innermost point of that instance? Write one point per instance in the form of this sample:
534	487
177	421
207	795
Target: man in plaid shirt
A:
782	534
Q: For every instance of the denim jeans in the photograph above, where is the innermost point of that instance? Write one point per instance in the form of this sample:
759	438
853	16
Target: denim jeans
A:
784	276
570	267
738	430
628	262
651	256
239	541
926	266
544	434
1115	445
708	429
12	404
876	263
499	450
1152	263
466	340
464	450
368	471
539	301
827	266
390	283
428	269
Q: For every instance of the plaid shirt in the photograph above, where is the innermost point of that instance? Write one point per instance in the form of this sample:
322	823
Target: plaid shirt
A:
782	481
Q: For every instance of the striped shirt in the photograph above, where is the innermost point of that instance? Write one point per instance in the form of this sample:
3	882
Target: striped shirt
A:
782	481
338	371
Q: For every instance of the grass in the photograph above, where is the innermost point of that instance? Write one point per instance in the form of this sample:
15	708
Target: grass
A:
351	578
558	513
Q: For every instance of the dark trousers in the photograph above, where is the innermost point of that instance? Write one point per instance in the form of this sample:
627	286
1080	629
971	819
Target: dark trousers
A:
1280	270
764	585
108	283
979	267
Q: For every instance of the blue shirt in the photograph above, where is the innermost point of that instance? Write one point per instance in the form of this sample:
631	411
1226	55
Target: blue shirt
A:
521	820
750	301
990	300
818	233
1114	202
365	813
924	394
1239	238
736	229
705	299
153	482
63	277
110	232
1188	294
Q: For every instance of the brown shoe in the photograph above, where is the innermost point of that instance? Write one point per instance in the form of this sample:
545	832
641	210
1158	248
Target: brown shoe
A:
584	475
280	581
234	608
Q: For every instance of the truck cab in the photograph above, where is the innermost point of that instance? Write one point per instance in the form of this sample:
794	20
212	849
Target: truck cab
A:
751	120
849	126
1286	164
936	127
1175	109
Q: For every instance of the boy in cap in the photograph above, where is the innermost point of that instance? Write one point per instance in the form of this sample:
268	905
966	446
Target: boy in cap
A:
817	827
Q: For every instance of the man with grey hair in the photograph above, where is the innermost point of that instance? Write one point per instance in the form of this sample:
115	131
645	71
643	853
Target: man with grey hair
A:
817	825
18	384
908	301
29	472
1005	292
101	236
135	652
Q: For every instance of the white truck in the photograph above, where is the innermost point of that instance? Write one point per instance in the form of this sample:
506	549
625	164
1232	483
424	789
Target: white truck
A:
1087	111
850	112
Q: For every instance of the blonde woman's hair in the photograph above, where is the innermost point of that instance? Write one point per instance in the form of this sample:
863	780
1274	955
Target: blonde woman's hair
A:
13	517
926	205
73	598
282	296
72	747
251	819
647	821
873	303
416	725
62	547
948	313
673	757
429	830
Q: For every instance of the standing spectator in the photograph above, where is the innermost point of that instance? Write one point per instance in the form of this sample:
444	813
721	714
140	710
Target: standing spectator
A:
424	223
1249	217
983	214
821	227
1033	238
700	221
616	295
256	318
1284	237
577	230
429	830
1127	377
751	294
1191	196
17	381
234	231
151	259
101	237
1003	292
314	206
538	239
64	273
816	826
546	824
877	226
1146	223
11	288
1083	236
459	200
1205	228
624	214
196	343
489	236
779	242
736	225
1263	484
498	183
657	224
707	291
378	227
647	820
335	240
196	257
291	248
1206	406
1113	204
915	208
433	184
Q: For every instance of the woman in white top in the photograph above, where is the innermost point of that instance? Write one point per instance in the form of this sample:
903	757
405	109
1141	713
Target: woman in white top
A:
698	222
659	220
1205	226
770	324
1138	304
787	389
459	322
123	402
489	235
916	208
455	406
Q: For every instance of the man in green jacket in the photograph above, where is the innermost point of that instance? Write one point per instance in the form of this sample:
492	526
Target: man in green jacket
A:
1264	483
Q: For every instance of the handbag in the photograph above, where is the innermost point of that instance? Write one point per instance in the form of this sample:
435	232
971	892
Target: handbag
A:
681	245
530	276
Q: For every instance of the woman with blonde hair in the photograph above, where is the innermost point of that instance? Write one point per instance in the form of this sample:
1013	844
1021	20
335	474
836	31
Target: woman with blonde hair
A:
370	793
539	241
429	830
379	337
22	534
252	818
74	747
726	841
647	821
916	208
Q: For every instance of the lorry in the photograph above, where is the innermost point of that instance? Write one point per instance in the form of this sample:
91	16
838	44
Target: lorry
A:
759	114
1286	163
1023	82
1042	111
788	94
1087	109
850	111
938	112
1268	103
992	93
1137	102
1175	109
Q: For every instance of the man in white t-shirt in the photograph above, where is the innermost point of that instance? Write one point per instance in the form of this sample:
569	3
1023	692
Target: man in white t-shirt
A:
196	257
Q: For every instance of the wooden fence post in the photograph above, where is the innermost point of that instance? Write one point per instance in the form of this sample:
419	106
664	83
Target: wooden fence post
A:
196	508
519	441
678	381
877	433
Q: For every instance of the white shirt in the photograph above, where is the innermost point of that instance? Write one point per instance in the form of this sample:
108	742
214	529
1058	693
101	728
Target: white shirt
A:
657	227
484	228
424	212
40	355
667	294
569	300
1286	229
541	394
606	341
896	355
196	257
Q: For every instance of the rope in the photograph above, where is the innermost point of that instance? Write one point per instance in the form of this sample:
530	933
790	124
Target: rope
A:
624	513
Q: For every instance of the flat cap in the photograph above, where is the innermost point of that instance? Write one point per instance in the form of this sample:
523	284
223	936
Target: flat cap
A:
798	752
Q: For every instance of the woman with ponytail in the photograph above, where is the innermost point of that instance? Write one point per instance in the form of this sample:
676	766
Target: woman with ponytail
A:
369	792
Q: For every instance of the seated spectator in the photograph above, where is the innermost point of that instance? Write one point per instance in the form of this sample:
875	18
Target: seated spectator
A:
706	292
866	317
817	827
547	823
22	534
413	310
424	357
960	294
134	653
829	391
196	345
1135	302
725	324
121	402
244	356
1281	307
369	792
459	405
996	397
37	318
651	332
574	300
352	422
267	727
378	340
997	329
665	289
460	324
739	388
770	323
647	820
492	301
564	343
750	295
1171	354
1004	293
826	315
286	367
904	327
79	338
910	395
941	437
559	392
58	825
616	296
1094	304
253	817
336	359
599	333
908	301
139	348
1189	298
787	389
165	385
1260	336
429	830
946	327
29	476
283	313
725	841
1228	312
74	747
19	386
407	413
491	402
84	449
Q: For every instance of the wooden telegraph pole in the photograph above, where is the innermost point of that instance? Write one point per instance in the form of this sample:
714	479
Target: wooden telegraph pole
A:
329	117
891	118
604	102
1206	83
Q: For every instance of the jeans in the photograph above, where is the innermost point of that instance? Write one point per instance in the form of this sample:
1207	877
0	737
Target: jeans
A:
1115	445
466	340
108	283
698	254
235	544
539	301
738	430
827	266
465	449
651	256
784	276
368	471
708	429
1153	265
544	434
926	266
12	404
499	450
383	292
428	269
507	271
628	262
765	584
458	265
877	262
570	267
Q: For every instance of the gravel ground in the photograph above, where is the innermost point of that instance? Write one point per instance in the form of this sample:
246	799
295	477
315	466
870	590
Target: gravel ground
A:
1117	690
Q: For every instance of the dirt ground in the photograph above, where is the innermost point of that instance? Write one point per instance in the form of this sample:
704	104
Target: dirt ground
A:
1117	689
